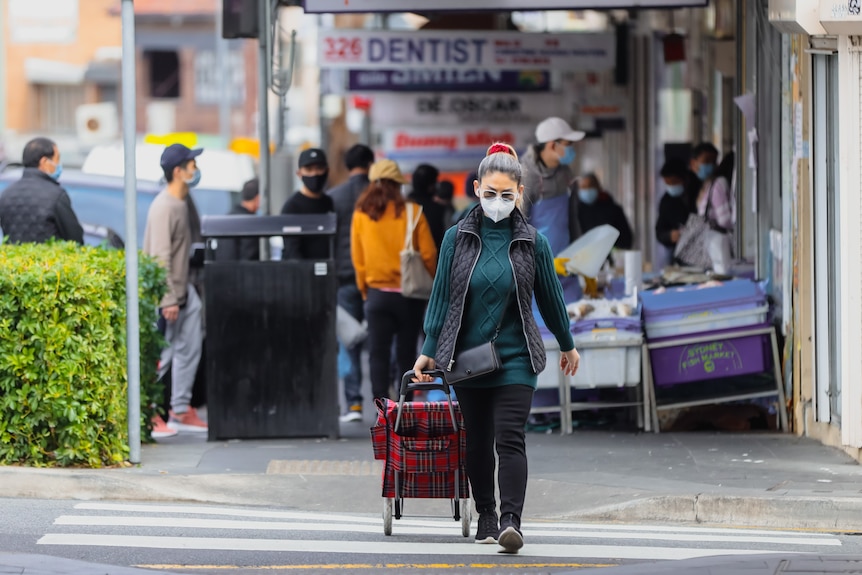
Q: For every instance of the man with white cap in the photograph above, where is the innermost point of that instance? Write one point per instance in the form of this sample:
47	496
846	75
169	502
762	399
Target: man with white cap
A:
548	200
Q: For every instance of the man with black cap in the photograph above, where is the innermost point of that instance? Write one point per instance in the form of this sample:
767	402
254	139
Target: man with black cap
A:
314	171
358	159
243	248
168	238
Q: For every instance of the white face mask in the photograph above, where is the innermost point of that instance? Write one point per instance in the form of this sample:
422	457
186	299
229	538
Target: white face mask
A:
497	208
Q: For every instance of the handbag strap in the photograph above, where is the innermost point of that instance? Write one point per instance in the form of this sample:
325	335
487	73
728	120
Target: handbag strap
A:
411	226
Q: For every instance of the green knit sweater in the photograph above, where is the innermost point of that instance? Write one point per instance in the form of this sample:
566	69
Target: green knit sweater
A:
492	279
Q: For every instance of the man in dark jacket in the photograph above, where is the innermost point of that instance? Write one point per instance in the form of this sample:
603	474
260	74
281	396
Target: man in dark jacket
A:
247	249
677	203
596	207
424	188
36	208
358	159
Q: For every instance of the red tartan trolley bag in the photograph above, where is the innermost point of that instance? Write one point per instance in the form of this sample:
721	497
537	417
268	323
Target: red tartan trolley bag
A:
423	446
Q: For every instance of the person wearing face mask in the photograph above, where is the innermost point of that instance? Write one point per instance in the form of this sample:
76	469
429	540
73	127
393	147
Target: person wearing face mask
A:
311	199
377	237
677	203
36	208
596	207
168	238
549	203
491	265
704	158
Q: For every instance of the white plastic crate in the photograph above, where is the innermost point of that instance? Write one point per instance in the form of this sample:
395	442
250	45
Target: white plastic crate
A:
609	358
707	321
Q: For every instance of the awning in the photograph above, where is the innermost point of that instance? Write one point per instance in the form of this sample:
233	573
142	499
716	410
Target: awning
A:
365	6
103	72
40	71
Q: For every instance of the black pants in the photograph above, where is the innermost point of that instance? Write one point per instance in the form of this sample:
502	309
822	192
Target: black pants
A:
497	414
391	317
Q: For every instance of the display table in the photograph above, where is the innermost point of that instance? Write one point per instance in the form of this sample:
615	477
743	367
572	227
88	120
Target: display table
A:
713	356
622	351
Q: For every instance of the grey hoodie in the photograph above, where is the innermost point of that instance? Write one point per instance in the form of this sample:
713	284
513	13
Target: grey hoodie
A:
541	181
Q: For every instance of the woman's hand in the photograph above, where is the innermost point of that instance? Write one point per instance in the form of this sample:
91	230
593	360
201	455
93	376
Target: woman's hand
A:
423	362
569	362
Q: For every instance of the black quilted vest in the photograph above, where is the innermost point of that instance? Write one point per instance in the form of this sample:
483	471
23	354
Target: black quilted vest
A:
522	254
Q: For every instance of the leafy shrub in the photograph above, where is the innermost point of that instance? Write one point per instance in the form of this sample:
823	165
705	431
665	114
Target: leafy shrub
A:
63	354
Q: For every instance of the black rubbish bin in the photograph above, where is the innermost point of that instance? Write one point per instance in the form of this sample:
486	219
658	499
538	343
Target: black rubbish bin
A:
271	348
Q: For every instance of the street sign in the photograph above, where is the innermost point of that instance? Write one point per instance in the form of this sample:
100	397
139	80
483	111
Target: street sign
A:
323	6
472	50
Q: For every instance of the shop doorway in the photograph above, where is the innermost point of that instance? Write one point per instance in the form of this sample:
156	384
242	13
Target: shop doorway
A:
827	233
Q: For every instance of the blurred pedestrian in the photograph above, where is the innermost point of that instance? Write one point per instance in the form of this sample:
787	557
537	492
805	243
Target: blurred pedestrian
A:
36	208
471	197
677	203
311	199
443	196
247	249
491	266
424	189
358	159
168	238
378	236
715	203
596	207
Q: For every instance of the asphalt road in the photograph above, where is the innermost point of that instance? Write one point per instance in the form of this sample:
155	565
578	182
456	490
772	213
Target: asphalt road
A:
252	540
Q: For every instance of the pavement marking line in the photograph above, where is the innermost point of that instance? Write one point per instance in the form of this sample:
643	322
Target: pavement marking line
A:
438	529
375	520
441	566
324	467
614	552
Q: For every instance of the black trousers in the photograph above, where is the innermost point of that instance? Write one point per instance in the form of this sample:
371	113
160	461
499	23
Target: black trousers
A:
497	415
391	317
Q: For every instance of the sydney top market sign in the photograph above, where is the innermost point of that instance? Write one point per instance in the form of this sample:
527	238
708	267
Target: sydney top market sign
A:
318	6
377	49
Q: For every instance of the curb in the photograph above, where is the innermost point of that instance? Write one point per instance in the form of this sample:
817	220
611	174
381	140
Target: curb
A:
783	512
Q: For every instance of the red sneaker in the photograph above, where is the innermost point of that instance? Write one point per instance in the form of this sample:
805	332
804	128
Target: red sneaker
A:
187	421
161	429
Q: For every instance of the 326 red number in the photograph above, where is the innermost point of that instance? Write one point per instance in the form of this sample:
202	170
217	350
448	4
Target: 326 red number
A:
342	48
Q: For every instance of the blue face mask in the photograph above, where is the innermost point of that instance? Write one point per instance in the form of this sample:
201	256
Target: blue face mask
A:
705	171
58	171
588	195
569	156
195	180
676	190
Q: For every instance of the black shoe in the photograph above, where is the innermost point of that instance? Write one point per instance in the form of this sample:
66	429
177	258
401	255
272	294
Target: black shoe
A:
488	527
510	537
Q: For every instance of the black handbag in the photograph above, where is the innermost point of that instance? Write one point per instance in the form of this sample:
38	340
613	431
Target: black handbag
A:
476	361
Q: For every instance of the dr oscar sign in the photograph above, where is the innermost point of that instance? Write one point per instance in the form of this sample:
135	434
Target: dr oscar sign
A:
367	49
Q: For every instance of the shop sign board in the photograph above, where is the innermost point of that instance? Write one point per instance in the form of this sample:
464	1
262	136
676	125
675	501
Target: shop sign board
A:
466	50
394	109
324	6
43	21
423	142
449	80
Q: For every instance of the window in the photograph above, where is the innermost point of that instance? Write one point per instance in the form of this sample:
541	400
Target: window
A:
827	244
56	105
164	73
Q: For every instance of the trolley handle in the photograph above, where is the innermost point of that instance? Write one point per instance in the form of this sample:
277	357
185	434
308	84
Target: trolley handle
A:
408	385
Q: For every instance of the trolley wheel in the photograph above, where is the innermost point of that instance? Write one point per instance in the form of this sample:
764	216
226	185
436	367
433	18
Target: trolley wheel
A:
465	517
387	515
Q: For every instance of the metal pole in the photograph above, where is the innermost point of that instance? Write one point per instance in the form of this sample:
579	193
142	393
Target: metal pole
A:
263	104
223	80
133	345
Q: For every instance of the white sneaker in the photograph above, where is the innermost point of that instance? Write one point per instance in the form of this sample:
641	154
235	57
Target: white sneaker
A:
354	413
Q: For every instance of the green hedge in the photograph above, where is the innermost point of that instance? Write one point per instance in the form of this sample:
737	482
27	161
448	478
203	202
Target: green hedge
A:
63	354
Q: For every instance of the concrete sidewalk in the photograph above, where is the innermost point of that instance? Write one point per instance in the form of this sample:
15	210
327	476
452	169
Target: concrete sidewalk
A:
763	480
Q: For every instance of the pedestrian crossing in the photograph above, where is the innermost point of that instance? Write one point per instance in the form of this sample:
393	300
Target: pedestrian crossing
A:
214	528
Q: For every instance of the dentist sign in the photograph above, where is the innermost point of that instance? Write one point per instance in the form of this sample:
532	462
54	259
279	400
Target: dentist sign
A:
366	49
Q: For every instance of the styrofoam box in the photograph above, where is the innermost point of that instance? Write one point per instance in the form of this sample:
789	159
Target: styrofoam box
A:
706	321
613	365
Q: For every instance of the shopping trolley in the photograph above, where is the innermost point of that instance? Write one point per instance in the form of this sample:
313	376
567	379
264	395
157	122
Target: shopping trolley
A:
423	446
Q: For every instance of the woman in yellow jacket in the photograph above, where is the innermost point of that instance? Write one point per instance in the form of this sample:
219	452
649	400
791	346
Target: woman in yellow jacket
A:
376	239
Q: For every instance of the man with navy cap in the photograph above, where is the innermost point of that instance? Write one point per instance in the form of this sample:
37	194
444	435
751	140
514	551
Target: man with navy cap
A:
311	199
168	238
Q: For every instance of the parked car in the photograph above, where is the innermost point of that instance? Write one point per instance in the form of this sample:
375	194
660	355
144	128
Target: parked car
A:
100	200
